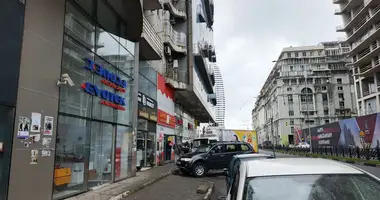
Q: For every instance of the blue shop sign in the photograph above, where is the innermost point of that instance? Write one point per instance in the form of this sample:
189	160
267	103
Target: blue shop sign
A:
104	94
103	72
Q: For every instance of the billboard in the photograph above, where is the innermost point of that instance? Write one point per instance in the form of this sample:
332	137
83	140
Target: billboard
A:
359	131
240	135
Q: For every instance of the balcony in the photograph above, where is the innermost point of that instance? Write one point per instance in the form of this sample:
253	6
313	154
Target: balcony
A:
151	46
208	7
176	78
178	14
369	69
212	98
152	4
365	24
339	1
201	58
365	40
338	12
350	5
174	39
367	54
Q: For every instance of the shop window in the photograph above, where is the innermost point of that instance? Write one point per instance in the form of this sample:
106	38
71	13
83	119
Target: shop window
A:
108	21
123	152
100	162
72	137
72	99
147	87
125	117
100	111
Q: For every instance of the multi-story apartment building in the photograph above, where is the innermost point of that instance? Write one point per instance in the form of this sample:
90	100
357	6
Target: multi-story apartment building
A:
308	86
361	19
220	98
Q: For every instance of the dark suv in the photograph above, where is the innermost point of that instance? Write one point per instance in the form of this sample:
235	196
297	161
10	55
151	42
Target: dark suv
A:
213	156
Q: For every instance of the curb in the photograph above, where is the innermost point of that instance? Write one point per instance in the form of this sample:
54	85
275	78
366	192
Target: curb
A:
125	194
345	161
209	191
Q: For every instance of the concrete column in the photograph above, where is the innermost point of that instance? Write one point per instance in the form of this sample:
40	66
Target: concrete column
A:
40	69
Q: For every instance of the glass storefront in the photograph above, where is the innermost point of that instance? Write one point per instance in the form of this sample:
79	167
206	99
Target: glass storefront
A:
146	144
94	134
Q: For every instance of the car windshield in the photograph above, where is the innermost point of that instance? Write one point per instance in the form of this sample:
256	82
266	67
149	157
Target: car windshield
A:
313	187
199	142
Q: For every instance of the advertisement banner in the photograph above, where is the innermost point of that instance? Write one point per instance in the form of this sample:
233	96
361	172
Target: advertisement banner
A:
147	107
241	135
165	119
346	133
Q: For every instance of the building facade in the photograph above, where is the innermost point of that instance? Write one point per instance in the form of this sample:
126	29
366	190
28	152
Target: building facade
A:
361	23
220	98
308	86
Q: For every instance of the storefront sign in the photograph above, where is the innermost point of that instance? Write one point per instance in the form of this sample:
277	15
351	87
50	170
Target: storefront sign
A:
147	107
108	98
179	121
166	119
110	79
189	126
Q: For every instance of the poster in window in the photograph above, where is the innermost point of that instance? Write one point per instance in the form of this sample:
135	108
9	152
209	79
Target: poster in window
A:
48	125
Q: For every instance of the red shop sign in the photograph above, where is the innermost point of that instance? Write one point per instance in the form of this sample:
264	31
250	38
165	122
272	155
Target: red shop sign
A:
165	119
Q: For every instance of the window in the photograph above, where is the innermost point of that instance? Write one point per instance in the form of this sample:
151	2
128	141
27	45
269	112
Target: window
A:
303	53
324	88
340	88
291	122
341	97
122	152
310	53
291	130
286	81
326	112
302	67
290	98
244	147
318	81
291	68
289	89
296	54
217	149
324	97
231	148
341	105
291	113
289	55
307	95
327	121
339	81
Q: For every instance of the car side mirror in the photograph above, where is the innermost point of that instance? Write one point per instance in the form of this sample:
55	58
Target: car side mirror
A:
225	172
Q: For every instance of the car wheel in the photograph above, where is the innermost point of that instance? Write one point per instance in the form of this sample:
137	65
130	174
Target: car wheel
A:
199	169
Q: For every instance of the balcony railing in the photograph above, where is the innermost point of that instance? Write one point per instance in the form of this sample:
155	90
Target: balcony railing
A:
175	38
151	36
174	10
176	74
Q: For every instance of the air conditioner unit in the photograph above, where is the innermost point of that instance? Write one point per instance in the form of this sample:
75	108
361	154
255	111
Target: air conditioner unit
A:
167	51
175	63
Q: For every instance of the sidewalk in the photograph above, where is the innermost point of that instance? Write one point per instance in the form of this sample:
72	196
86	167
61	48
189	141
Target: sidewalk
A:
118	190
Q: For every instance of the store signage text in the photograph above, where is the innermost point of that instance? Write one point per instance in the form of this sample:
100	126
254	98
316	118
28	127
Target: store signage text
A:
147	107
108	98
110	79
166	119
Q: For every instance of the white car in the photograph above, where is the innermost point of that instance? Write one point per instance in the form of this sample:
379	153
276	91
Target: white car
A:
302	179
303	145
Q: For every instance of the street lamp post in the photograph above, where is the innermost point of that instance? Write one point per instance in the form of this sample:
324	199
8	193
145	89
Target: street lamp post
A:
307	109
271	127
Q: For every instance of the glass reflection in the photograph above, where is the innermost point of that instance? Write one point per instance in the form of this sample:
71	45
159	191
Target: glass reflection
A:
123	152
100	165
70	156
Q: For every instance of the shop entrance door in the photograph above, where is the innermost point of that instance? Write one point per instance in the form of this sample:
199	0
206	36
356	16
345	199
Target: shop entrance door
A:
169	146
6	129
145	149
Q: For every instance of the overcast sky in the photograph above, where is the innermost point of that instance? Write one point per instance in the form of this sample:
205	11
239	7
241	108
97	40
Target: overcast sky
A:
250	34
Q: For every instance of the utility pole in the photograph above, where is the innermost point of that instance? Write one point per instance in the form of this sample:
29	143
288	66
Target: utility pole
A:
271	127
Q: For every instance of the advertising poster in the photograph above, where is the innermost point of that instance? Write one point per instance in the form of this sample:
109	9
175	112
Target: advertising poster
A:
36	122
48	125
23	128
33	157
241	135
326	135
346	133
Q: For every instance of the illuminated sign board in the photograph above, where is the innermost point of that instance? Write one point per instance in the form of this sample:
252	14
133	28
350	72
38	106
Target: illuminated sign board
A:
111	80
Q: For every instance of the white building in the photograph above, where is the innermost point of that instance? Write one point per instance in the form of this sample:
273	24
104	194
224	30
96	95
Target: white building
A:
220	98
361	23
294	101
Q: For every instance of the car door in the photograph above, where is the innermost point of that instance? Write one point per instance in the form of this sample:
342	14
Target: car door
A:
230	151
215	157
245	149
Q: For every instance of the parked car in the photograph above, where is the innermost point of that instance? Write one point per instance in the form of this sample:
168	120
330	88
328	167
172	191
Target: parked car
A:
303	145
235	164
301	178
212	156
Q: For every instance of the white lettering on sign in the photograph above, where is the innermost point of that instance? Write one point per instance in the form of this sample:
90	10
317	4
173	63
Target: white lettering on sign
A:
320	130
324	135
324	142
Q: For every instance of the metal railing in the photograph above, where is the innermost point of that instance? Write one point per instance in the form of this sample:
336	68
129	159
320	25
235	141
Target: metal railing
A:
176	74
174	10
174	37
153	38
